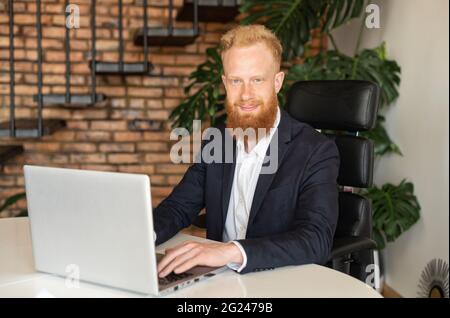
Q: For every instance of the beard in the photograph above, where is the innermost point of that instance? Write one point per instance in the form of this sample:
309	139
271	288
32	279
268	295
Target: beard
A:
263	118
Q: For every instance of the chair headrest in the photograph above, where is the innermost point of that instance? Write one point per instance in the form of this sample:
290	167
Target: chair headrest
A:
348	105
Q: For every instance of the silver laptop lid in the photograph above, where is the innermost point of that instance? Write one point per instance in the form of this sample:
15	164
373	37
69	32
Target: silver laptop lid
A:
99	223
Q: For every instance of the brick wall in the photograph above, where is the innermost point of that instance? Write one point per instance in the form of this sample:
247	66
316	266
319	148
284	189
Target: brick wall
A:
105	136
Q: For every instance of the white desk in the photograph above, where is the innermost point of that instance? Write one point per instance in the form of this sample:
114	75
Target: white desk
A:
19	279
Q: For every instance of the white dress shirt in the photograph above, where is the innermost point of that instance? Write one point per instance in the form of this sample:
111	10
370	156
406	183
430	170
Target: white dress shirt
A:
246	174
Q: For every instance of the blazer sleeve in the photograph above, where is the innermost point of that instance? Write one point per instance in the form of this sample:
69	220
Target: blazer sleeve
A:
182	206
311	239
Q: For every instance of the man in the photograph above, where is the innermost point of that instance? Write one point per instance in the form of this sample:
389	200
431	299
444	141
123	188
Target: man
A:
261	221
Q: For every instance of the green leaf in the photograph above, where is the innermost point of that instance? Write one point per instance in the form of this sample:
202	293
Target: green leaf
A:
383	143
370	64
395	210
12	200
338	12
293	21
204	89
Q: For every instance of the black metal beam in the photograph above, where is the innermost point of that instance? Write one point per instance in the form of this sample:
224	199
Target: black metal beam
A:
146	66
76	100
120	37
160	36
210	10
170	17
12	117
114	68
93	51
26	128
67	49
39	48
195	24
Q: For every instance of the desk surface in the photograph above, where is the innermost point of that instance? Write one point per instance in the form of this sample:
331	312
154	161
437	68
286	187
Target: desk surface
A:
19	279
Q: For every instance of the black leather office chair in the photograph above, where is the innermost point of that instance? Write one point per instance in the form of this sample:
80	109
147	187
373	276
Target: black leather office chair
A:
346	108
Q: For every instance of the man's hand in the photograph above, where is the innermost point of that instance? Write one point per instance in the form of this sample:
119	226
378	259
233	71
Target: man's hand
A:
189	254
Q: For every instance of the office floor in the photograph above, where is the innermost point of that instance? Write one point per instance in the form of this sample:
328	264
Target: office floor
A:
388	292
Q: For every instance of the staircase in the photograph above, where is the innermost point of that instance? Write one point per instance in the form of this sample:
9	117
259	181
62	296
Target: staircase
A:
17	130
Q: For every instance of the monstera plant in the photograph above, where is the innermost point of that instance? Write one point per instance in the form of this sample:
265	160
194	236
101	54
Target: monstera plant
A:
396	207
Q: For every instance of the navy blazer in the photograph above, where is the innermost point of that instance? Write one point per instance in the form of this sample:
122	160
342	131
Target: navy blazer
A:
294	210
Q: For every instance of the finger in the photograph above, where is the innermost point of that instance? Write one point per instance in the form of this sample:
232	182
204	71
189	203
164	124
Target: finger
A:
174	252
193	253
169	249
188	264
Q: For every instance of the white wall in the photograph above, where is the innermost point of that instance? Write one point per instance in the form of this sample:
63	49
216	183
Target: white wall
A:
417	37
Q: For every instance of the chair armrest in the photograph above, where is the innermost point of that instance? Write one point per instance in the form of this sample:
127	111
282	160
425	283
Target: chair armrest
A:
346	245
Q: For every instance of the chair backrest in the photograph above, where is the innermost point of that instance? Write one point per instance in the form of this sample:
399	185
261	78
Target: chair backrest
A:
346	107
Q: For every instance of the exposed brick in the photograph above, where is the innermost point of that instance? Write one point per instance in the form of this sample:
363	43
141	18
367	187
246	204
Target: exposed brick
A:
128	136
90	114
159	180
158	114
157	158
124	158
156	136
77	124
141	168
24	19
137	103
112	90
152	146
12	169
145	92
190	59
154	103
79	147
171	102
174	92
93	135
53	32
127	114
88	158
42	146
160	81
161	191
109	125
117	147
62	136
174	180
7	181
56	113
44	158
163	59
99	167
178	70
54	8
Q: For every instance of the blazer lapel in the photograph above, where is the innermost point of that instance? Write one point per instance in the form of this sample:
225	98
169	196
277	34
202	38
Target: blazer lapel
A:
227	182
283	134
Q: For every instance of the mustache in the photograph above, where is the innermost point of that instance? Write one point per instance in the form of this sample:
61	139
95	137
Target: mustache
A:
251	102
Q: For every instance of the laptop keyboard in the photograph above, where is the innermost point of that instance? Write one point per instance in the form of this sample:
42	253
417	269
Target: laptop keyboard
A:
172	277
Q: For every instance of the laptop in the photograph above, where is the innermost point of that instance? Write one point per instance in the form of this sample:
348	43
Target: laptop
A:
99	227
